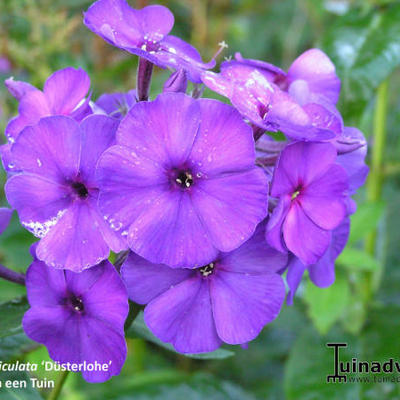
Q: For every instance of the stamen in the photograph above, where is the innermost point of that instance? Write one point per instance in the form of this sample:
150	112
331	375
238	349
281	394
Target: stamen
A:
184	179
77	304
207	270
295	194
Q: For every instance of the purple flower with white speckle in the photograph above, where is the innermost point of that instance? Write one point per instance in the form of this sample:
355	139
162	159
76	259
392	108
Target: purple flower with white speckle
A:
300	104
312	192
64	93
145	33
55	191
181	183
78	317
228	300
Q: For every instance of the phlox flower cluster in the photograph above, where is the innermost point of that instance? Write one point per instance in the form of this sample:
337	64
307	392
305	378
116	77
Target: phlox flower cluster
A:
209	215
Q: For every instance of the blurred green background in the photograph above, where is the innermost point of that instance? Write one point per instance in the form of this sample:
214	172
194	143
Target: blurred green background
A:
289	360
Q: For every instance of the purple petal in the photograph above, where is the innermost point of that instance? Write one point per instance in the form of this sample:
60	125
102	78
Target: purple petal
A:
243	304
254	257
274	234
50	149
171	119
75	242
57	328
224	142
98	134
32	107
116	105
323	200
129	189
18	88
317	70
145	281
179	54
65	89
101	342
40	202
231	206
122	26
183	317
45	286
293	277
270	71
322	273
305	239
354	162
170	231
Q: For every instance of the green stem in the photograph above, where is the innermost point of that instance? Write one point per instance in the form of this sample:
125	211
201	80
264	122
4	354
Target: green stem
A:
59	385
376	174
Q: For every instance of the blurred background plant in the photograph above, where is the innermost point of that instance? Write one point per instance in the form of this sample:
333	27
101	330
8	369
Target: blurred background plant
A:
289	359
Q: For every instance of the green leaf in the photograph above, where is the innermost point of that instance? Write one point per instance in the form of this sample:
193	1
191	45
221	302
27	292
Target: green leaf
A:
357	260
365	220
21	393
326	306
365	49
197	387
11	316
139	329
15	345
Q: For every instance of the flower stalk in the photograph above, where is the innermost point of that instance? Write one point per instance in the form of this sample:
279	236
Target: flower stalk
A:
144	73
59	385
11	275
376	175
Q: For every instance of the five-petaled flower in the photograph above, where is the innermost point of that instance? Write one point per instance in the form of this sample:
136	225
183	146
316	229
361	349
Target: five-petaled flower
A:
228	300
181	183
78	317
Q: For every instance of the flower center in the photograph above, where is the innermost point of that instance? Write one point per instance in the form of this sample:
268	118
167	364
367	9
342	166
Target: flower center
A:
80	189
207	269
295	194
77	304
184	179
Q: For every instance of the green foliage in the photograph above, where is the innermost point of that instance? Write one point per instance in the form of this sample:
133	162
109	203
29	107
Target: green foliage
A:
326	306
365	49
21	393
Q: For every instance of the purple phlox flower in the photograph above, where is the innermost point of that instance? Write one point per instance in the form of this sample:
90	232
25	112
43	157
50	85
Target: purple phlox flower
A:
312	192
5	218
78	317
55	193
145	32
266	105
228	300
64	93
311	75
322	273
181	182
115	105
177	82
